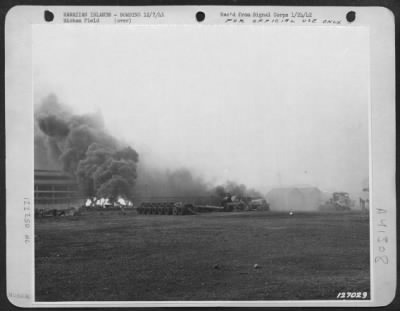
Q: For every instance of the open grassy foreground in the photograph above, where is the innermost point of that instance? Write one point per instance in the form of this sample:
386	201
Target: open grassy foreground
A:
201	257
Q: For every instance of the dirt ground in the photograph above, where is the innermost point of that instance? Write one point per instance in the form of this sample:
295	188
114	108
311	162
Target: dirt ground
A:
129	257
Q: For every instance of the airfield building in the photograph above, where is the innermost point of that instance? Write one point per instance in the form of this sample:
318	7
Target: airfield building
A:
55	190
295	199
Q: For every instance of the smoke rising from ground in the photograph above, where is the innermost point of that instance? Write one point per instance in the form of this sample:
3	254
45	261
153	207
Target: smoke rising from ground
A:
154	182
81	146
104	166
182	182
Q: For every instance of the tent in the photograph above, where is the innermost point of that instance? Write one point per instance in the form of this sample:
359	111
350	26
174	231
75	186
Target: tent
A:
295	199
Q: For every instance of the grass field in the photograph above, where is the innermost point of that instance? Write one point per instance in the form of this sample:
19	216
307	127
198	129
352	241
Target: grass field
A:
201	257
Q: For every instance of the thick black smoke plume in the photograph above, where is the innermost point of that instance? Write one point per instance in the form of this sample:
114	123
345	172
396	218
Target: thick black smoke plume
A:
106	168
81	146
182	183
239	191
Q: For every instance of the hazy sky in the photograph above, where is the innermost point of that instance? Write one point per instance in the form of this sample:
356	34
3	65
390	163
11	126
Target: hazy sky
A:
262	106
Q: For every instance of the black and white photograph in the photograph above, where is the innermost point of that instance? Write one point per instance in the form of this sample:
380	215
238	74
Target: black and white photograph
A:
200	174
195	162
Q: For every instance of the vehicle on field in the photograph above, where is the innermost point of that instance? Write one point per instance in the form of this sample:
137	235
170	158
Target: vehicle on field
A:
163	208
340	201
232	203
196	205
72	211
258	205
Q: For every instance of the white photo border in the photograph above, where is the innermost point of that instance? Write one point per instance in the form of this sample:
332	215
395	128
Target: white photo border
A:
19	170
